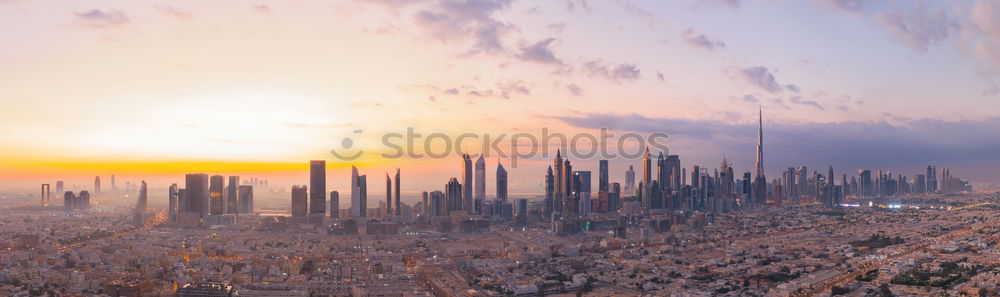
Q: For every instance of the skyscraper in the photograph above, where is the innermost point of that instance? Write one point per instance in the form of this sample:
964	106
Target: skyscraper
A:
602	176
630	180
388	196
114	187
217	204
398	197
760	182
84	200
317	189
549	191
480	181
300	201
866	185
674	171
466	183
69	201
245	199
932	181
501	184
359	194
453	193
60	187
439	202
172	200
142	201
232	194
97	185
559	184
582	192
195	198
334	205
569	200
647	168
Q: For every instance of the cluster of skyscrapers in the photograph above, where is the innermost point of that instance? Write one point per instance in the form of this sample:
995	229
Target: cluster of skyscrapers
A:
206	200
468	196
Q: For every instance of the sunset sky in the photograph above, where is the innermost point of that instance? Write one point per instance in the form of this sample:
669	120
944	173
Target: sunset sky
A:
154	89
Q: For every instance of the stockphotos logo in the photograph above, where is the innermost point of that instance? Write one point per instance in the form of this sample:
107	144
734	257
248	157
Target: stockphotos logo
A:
516	146
346	148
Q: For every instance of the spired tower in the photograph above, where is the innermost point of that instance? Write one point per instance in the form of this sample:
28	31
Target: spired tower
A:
759	193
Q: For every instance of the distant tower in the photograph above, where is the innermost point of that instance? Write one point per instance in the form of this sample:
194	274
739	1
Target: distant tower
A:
69	201
97	185
173	198
501	184
317	189
569	200
453	193
760	182
830	175
549	191
559	189
195	198
232	194
602	176
467	183
300	200
216	201
142	202
245	194
46	195
647	168
480	181
399	211
359	194
630	180
388	196
60	188
83	201
114	187
334	205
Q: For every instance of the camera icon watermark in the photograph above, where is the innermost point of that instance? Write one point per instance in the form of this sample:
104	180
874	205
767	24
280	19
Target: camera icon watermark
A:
347	145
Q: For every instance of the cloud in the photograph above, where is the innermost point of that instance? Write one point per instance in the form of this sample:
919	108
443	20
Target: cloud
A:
174	12
850	6
909	145
505	89
651	18
918	27
659	76
616	73
800	101
750	98
734	4
539	52
557	27
261	8
459	20
760	77
571	5
97	18
574	89
701	41
793	88
512	87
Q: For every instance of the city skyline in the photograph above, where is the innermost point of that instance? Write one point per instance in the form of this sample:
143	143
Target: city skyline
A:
633	148
531	73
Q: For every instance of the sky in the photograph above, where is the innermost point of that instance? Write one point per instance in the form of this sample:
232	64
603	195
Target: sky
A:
154	89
